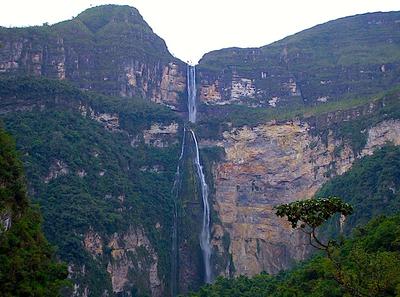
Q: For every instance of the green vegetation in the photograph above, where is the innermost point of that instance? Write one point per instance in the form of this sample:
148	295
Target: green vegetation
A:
365	264
27	263
85	177
309	214
369	263
95	50
388	106
371	186
343	59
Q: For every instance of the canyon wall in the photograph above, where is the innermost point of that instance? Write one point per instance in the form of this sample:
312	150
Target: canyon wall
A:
267	165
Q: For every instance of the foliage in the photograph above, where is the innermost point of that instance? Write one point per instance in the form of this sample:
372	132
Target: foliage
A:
313	212
387	103
370	261
371	186
106	183
27	263
337	60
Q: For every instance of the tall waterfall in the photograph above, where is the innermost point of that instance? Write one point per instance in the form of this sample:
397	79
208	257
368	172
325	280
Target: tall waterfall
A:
205	230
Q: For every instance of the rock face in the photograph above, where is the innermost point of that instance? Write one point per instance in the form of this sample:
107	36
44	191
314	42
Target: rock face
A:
267	165
381	134
127	252
109	49
132	262
160	135
314	66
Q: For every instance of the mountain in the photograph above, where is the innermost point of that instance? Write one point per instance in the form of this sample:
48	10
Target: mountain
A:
91	162
350	57
110	49
275	124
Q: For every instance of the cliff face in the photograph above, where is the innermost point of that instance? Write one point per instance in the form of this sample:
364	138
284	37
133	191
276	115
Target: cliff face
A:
109	49
271	164
318	65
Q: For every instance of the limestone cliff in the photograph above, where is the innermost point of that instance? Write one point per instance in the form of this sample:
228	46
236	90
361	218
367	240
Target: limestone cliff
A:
270	164
109	49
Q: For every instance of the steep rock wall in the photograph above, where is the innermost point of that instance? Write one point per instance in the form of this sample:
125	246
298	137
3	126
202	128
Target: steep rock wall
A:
268	165
109	49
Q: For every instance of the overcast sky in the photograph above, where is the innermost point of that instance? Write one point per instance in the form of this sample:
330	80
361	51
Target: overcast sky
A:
194	27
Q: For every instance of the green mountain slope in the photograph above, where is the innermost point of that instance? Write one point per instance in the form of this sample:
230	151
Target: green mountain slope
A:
108	48
371	186
27	263
105	192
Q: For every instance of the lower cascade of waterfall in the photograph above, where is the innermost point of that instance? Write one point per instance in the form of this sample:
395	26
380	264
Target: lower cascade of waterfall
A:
205	230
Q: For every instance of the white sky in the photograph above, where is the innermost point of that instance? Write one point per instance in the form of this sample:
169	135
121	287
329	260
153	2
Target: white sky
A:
194	27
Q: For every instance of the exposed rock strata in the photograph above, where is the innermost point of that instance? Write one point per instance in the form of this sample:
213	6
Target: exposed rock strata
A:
127	252
268	165
160	135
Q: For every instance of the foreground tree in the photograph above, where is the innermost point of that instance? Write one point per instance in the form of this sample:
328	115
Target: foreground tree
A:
359	272
308	215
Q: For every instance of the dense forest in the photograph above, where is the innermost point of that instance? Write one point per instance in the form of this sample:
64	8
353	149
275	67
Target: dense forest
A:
28	266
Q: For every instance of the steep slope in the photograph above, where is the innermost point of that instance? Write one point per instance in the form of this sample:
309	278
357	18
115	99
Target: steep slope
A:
350	57
110	49
102	171
27	263
371	186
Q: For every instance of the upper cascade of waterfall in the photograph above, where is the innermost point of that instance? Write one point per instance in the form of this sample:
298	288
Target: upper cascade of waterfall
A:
191	89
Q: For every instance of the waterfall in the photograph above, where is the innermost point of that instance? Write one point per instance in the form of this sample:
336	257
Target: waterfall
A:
191	89
205	230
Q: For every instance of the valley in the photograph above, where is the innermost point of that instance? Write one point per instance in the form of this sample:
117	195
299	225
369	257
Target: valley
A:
155	177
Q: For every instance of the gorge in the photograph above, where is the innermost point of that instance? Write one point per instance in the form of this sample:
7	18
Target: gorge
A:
155	177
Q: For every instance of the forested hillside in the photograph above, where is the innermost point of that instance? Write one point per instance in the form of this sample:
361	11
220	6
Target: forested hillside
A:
98	108
28	266
102	183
